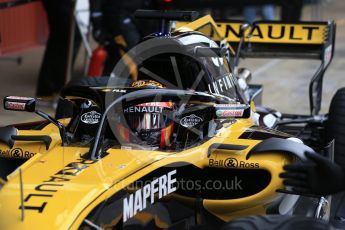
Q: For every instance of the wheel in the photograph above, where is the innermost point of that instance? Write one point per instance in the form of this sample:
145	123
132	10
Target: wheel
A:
335	128
276	222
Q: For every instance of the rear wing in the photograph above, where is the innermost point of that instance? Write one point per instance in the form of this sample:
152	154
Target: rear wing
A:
307	40
273	39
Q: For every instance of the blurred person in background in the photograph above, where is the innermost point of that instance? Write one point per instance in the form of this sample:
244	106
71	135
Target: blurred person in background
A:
291	10
266	11
55	61
115	28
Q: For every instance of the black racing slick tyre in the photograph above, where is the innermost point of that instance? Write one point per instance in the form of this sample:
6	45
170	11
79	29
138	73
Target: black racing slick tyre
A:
335	128
276	222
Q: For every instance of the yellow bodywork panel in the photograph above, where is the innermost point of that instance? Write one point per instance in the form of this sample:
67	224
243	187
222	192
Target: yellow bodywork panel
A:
61	188
205	25
27	149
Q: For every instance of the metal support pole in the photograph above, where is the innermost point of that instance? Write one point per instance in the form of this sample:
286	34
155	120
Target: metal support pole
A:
68	71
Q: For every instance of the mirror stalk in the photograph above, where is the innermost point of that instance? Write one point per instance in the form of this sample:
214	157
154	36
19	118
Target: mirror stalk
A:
59	125
243	29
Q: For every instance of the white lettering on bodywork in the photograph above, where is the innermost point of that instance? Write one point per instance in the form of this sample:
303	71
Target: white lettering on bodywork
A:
136	202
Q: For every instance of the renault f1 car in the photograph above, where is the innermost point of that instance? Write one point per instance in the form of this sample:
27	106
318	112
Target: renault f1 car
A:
179	144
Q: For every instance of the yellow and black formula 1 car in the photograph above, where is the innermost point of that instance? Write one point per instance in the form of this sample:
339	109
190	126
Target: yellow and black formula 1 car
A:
178	145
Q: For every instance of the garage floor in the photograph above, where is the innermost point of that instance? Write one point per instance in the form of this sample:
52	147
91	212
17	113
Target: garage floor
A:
285	81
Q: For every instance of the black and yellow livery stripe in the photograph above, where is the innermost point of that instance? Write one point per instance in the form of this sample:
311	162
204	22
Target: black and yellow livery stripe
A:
311	33
282	33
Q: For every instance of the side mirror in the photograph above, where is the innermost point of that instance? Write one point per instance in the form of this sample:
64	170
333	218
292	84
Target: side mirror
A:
224	111
243	29
16	103
28	104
